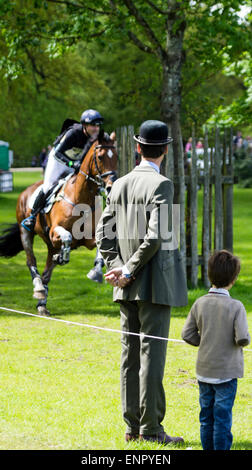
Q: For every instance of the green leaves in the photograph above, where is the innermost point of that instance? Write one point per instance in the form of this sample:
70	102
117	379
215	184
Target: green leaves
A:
37	35
239	112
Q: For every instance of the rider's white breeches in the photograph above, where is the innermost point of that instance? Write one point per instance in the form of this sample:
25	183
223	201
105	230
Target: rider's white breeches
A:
54	171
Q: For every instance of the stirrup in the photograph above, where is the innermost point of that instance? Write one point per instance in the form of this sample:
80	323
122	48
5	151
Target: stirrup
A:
31	223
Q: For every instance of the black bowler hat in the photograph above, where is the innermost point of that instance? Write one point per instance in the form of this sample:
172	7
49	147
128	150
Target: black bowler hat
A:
153	133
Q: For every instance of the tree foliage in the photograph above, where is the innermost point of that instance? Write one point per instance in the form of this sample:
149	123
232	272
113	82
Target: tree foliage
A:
239	112
60	56
34	105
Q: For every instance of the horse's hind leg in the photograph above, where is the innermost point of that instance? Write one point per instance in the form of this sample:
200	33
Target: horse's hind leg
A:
46	276
39	291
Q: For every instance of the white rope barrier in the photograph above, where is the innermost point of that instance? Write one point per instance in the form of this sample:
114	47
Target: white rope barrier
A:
142	335
92	326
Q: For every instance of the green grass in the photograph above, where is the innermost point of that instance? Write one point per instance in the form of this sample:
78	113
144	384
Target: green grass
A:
60	383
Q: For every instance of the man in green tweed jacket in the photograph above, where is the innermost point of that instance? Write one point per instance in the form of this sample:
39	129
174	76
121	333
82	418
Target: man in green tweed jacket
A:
132	236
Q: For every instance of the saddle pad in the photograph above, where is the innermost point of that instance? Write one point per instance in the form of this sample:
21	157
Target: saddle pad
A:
51	198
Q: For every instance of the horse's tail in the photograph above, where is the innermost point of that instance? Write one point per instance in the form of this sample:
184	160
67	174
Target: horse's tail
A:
10	241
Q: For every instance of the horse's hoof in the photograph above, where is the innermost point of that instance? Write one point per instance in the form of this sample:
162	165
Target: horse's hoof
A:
95	275
42	310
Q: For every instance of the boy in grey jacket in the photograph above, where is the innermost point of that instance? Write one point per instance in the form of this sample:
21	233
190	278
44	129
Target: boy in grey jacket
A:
218	325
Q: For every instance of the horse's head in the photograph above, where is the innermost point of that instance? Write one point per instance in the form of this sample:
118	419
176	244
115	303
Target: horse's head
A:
103	162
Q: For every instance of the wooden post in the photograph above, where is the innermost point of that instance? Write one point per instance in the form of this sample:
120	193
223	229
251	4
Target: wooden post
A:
131	148
193	215
118	147
228	198
211	197
224	186
206	206
181	175
218	229
124	150
188	220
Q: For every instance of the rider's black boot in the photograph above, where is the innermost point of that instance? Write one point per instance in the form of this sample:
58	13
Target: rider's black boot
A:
29	222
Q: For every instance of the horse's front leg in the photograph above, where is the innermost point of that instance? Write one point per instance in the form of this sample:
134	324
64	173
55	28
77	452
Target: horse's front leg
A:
59	235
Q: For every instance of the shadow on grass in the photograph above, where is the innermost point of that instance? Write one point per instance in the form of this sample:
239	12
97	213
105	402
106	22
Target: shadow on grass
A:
89	299
242	445
72	293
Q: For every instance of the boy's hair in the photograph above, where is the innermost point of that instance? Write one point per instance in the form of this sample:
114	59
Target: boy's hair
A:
223	268
152	151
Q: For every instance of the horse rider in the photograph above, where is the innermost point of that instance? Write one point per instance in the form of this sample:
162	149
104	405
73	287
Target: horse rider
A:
65	157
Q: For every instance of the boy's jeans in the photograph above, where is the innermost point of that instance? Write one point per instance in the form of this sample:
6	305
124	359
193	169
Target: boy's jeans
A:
216	402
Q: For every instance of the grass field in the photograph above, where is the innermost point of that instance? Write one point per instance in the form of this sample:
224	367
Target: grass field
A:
60	383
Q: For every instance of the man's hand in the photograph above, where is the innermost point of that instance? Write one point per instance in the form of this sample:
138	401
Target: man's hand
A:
113	275
116	279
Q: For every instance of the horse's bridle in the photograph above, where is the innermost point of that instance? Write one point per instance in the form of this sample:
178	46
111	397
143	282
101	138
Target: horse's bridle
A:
98	178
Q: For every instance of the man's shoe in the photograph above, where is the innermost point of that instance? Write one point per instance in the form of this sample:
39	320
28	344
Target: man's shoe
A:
161	438
131	437
29	223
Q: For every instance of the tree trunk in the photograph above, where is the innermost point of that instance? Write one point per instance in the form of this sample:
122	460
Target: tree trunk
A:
171	106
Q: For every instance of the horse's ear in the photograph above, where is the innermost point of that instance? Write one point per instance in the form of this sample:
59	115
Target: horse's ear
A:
100	136
113	136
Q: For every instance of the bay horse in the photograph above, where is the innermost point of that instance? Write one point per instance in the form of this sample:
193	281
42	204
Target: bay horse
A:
60	228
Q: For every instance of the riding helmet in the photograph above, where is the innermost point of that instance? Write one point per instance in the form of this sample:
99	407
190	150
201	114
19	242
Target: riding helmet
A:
91	116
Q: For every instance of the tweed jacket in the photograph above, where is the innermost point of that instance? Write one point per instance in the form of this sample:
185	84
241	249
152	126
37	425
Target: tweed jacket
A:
218	325
135	203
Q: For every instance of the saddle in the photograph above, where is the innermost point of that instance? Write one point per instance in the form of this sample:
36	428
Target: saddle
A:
56	193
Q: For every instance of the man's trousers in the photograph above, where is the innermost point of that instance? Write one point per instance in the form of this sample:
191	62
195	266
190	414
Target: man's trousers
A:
142	365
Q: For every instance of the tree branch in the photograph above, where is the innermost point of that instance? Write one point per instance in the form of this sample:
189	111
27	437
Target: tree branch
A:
143	47
70	38
141	20
34	65
162	12
78	5
36	72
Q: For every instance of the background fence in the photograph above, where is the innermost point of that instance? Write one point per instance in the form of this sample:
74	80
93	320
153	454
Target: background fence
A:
209	168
